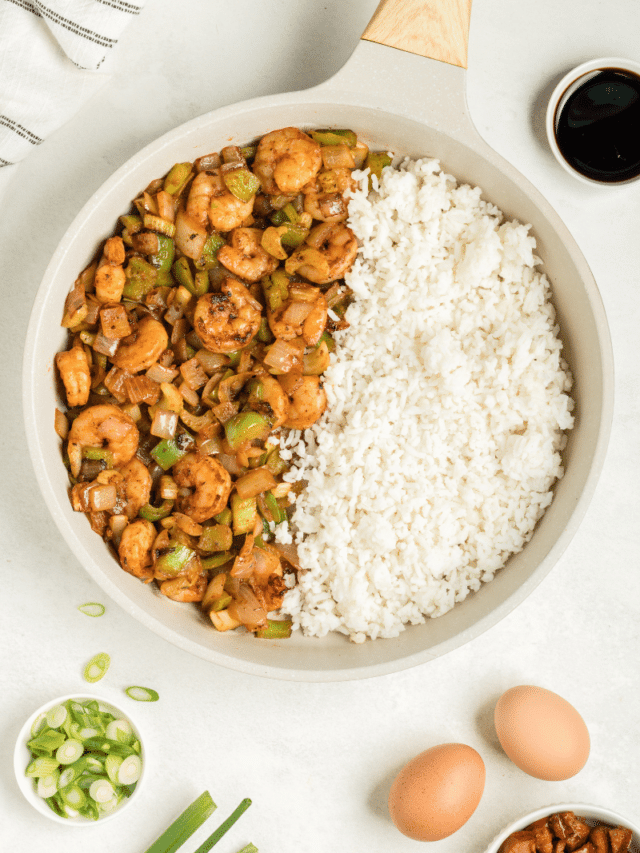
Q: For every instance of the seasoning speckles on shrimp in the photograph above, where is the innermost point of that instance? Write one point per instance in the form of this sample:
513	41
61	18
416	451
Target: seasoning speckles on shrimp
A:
197	337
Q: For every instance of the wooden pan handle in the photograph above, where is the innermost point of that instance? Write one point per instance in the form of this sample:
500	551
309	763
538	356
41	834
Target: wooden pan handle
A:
436	29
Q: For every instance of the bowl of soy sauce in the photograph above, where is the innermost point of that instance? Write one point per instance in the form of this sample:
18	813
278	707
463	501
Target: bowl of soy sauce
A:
593	121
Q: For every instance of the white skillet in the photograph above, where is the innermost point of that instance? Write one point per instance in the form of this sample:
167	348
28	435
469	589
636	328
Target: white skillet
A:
403	89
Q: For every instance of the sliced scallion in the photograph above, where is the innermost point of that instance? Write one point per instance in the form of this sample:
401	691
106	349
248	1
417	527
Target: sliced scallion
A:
101	790
56	716
224	827
42	766
129	771
184	825
142	694
92	608
111	765
70	751
96	667
119	730
38	724
73	796
250	848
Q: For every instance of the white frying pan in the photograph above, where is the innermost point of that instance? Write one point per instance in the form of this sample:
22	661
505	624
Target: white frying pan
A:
404	90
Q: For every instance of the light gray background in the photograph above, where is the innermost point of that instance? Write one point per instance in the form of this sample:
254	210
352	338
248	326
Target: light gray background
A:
317	760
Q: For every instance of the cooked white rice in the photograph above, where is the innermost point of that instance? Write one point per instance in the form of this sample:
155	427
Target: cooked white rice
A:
447	406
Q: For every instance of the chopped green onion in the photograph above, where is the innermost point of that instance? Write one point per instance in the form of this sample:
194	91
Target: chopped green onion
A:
92	608
70	751
111	765
97	667
142	694
224	827
73	796
101	790
119	730
46	742
250	848
48	785
184	825
42	766
129	771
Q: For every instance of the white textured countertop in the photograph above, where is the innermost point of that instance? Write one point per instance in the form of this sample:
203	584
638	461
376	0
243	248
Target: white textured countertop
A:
318	759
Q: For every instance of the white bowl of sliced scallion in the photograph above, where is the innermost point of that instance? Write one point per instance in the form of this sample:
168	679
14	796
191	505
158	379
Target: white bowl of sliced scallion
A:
79	759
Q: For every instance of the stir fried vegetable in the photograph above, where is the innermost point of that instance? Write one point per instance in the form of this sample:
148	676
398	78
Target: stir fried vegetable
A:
197	337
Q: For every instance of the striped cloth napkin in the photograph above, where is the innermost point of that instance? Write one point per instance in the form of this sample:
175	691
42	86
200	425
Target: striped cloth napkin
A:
54	56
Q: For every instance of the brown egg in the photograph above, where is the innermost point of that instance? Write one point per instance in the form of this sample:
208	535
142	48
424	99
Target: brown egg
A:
437	791
541	732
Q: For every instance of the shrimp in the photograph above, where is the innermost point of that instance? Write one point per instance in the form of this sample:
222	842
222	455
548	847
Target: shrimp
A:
269	399
304	313
141	349
211	484
329	202
227	321
307	400
185	588
328	253
245	257
73	366
110	276
135	549
137	486
104	425
209	197
286	160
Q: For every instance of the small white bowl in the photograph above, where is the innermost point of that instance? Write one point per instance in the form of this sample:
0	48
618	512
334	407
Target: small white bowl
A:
22	757
593	815
564	90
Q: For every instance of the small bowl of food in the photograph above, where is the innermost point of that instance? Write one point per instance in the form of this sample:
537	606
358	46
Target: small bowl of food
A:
78	759
569	827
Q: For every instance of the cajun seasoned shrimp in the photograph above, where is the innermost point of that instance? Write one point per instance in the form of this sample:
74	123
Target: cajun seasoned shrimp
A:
73	366
137	486
327	199
269	399
303	314
286	160
211	484
210	198
327	254
110	276
135	549
307	400
139	350
104	425
228	320
245	257
185	588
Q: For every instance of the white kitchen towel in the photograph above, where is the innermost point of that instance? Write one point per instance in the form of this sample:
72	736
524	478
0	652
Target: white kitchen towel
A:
54	56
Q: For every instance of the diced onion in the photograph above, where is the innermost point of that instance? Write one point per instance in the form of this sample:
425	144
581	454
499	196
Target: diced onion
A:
164	423
255	482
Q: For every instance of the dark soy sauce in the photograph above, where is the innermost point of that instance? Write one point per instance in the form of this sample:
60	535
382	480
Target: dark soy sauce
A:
598	129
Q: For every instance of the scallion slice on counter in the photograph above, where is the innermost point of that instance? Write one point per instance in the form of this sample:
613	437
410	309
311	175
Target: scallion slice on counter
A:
92	608
224	827
250	848
97	667
185	825
142	694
